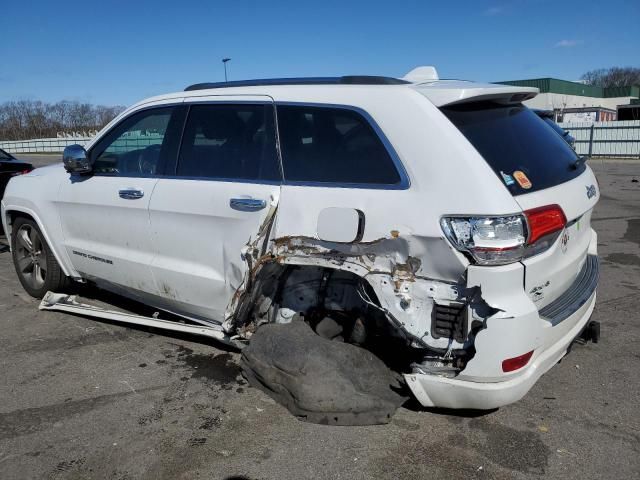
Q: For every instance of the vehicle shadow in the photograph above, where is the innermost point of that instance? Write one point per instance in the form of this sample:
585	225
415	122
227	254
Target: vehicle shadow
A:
414	406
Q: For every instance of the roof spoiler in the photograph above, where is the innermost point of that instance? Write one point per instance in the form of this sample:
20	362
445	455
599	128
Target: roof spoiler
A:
450	92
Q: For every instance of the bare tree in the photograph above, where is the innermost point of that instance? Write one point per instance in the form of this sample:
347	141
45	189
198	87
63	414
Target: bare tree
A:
613	77
28	119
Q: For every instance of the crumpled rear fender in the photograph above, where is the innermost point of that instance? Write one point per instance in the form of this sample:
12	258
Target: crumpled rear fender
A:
396	277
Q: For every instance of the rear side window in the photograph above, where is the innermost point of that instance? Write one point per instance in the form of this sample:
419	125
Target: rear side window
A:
229	142
334	146
513	139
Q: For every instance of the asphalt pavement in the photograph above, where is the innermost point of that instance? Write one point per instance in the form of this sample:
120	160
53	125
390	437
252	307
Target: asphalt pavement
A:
84	399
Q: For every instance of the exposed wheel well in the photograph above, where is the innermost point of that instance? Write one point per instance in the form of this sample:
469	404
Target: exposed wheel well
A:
280	291
12	216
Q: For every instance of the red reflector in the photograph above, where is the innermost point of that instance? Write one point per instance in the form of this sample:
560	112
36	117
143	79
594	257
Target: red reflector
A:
511	364
543	221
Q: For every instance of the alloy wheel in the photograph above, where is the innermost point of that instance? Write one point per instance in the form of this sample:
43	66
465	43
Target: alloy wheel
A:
31	256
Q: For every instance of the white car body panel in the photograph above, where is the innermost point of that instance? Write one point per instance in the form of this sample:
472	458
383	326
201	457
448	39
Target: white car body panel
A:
183	248
36	197
108	238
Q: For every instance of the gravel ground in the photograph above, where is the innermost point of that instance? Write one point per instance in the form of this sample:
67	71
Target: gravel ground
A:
86	399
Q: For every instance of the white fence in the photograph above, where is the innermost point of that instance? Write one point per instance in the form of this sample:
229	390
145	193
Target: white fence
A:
56	145
42	145
606	139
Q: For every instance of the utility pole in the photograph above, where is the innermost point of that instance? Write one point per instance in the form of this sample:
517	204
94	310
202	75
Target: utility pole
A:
224	62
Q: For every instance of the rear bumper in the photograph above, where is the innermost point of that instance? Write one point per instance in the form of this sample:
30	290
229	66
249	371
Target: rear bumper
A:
482	384
432	391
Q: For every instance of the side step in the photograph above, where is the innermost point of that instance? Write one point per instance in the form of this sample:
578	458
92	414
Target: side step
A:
67	303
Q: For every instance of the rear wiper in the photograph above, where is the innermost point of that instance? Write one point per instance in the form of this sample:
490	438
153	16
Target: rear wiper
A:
580	161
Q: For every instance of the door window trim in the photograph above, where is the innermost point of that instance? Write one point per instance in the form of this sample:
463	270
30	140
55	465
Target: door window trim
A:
404	183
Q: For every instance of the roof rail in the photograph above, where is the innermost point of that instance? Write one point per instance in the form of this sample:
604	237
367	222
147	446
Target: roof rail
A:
345	80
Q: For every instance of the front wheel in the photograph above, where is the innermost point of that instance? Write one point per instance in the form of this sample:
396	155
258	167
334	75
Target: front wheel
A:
37	268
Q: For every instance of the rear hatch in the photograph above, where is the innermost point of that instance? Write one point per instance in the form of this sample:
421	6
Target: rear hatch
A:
539	169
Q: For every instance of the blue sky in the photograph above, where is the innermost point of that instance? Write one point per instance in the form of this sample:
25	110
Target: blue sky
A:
118	52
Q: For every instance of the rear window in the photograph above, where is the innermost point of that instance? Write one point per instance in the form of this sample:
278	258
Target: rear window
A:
521	148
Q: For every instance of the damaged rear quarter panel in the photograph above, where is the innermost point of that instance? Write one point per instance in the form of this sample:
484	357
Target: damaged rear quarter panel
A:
402	252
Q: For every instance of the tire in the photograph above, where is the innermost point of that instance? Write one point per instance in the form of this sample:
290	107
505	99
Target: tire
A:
35	264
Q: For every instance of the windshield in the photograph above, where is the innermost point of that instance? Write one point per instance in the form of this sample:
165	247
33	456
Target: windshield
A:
521	148
5	156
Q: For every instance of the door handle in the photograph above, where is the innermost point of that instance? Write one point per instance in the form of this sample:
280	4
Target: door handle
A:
247	204
131	193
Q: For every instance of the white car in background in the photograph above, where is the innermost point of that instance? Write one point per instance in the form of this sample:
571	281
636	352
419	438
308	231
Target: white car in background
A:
445	217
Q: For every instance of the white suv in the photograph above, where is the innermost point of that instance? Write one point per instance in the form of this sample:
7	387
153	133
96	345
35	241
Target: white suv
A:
442	218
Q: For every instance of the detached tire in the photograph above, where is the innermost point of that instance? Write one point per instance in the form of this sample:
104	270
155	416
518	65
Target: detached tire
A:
319	380
35	264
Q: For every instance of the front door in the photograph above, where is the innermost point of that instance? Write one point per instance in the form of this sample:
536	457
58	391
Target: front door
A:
105	215
226	175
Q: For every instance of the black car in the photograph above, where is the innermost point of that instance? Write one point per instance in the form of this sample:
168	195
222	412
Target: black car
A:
548	116
10	167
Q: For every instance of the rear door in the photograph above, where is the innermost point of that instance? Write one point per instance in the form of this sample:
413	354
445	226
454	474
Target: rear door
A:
213	202
539	169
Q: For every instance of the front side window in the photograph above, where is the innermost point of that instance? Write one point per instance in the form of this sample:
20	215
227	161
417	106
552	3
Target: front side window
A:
229	142
136	146
334	146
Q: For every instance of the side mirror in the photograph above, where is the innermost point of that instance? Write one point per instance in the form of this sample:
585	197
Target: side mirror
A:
75	159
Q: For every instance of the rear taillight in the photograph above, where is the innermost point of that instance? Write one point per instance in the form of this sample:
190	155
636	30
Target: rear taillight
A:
21	172
505	239
489	240
544	221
